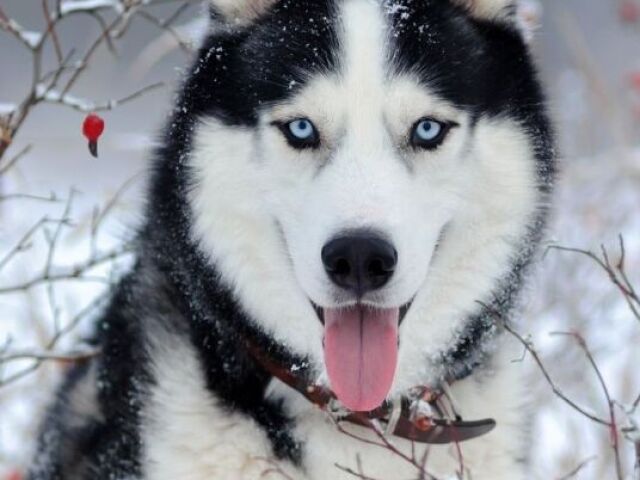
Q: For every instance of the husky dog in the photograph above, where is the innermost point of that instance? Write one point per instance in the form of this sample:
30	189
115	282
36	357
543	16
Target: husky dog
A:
346	199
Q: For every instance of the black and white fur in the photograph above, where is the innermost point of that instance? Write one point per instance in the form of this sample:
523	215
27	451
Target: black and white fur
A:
236	218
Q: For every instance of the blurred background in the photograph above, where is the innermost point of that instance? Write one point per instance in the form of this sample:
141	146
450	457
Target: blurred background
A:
65	217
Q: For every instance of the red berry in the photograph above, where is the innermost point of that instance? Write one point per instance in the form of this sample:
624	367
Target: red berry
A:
629	11
93	127
14	475
634	80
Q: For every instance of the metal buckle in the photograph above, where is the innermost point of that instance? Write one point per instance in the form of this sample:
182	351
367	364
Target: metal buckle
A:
392	423
336	409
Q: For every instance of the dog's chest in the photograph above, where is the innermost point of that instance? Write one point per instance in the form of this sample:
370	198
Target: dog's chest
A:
188	434
197	440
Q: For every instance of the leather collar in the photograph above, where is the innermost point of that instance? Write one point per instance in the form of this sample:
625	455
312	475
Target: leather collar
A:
425	415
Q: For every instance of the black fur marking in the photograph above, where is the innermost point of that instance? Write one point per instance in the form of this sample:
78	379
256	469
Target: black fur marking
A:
53	443
239	72
482	67
106	443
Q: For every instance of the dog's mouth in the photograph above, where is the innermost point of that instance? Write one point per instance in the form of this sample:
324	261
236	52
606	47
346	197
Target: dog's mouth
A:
361	352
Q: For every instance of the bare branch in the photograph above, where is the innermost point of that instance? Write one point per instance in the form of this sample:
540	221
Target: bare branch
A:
13	162
355	474
384	443
52	198
574	473
28	38
71	356
25	242
86	106
75	273
528	345
617	274
59	335
51	30
167	28
613	424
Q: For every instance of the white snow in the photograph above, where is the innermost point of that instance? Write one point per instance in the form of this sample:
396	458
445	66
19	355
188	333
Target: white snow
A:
7	108
32	39
71	6
55	96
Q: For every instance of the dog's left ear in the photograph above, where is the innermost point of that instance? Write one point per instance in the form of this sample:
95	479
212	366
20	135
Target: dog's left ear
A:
524	14
241	12
489	9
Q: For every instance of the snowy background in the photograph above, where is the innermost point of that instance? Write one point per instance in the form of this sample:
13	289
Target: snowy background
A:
589	53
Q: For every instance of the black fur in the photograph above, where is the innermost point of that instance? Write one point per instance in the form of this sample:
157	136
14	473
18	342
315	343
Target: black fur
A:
175	289
104	443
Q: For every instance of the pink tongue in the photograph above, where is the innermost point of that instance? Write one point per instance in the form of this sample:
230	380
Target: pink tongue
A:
361	352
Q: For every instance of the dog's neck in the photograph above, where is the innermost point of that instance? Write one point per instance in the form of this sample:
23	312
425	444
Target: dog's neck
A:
424	415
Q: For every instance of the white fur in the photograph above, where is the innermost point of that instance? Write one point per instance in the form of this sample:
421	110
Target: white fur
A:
242	11
188	435
263	212
487	9
489	458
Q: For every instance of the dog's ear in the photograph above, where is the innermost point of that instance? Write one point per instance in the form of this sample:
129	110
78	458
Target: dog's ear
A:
240	12
489	9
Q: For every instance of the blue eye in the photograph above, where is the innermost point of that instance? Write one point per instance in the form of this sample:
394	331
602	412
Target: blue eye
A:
302	129
301	133
428	133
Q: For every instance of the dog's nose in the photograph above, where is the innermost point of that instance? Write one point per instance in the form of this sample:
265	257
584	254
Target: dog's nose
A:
359	263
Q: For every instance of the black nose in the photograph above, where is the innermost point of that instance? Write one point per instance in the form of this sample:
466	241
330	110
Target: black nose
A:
359	263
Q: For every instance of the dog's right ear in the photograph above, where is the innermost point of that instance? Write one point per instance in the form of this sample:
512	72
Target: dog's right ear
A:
240	12
489	9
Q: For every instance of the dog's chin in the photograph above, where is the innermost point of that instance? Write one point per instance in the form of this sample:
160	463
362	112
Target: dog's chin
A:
361	352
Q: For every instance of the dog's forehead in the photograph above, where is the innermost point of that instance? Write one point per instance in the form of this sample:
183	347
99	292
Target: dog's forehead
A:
368	40
367	80
364	40
476	65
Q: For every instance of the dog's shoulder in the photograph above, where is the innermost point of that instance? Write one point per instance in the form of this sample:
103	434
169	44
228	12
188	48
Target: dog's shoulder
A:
92	428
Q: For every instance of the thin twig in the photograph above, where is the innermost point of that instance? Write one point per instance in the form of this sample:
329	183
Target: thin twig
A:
163	26
13	162
51	30
617	275
573	473
387	445
52	198
24	242
76	272
86	106
353	473
49	355
613	424
527	344
75	321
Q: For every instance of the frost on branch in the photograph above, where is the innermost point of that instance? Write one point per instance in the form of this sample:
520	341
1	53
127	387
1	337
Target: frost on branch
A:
72	61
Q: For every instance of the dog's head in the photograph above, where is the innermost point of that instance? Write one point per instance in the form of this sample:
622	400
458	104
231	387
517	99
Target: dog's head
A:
364	174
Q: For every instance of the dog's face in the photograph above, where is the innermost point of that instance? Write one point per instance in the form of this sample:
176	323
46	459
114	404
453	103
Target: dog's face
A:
364	173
